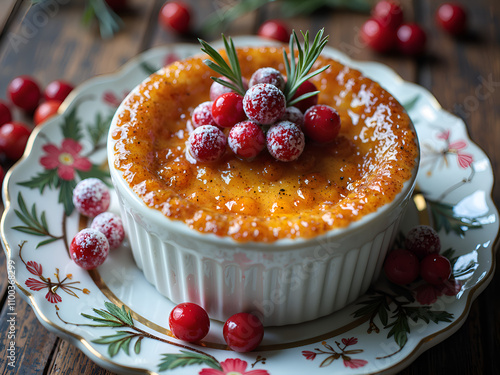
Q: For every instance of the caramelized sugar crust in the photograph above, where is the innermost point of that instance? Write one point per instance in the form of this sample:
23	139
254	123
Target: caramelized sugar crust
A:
328	187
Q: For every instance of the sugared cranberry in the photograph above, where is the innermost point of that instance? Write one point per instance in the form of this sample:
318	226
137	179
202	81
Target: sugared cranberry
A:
206	143
293	114
57	90
202	115
377	36
91	197
435	269
45	111
175	15
423	240
285	141
321	123
24	92
89	248
13	139
411	39
111	226
268	75
305	88
243	332
246	139
264	103
388	13
452	18
189	322
227	110
217	89
5	114
401	266
274	29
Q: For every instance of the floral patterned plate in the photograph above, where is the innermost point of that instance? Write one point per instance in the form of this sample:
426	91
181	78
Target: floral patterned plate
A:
119	320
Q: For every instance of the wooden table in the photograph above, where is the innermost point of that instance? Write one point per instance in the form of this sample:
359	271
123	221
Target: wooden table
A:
464	75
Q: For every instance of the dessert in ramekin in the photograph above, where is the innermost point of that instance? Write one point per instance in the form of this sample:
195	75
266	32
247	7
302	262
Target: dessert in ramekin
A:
289	241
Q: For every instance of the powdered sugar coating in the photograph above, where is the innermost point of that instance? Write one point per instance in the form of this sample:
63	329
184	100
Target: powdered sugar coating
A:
293	114
89	248
111	226
202	115
285	141
246	139
423	240
268	75
91	197
206	143
264	103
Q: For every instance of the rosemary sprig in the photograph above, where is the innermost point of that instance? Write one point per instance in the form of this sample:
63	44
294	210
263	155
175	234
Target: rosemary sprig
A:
297	72
231	71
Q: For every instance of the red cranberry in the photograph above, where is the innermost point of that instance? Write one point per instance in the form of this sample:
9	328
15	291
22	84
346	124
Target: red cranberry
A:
246	139
189	322
175	15
264	103
305	88
111	226
452	18
202	115
388	13
13	139
243	332
293	114
216	89
89	248
321	123
57	90
206	143
276	30
423	240
268	75
45	111
24	93
285	141
91	197
227	110
435	269
377	36
401	266
5	114
411	39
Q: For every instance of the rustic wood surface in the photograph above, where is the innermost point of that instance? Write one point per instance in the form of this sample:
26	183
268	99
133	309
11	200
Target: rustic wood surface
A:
463	74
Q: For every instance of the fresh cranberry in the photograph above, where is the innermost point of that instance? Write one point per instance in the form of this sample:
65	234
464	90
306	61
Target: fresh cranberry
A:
452	18
401	266
5	114
57	90
388	13
202	115
305	88
189	322
111	226
206	143
216	89
246	139
321	123
276	30
227	110
264	103
293	114
24	92
423	240
89	248
243	332
45	111
175	15
411	39
13	139
435	269
285	141
377	36
91	197
268	75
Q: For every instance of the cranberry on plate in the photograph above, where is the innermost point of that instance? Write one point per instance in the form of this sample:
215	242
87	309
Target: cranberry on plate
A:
243	332
189	322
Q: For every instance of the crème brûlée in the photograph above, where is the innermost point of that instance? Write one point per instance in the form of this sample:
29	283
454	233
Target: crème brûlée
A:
264	200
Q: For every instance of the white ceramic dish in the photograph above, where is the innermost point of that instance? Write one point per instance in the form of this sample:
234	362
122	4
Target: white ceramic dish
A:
458	192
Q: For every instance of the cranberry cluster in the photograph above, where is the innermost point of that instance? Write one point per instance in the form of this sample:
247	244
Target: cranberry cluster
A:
260	119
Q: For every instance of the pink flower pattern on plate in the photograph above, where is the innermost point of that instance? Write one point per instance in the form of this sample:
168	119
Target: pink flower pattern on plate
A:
66	159
232	366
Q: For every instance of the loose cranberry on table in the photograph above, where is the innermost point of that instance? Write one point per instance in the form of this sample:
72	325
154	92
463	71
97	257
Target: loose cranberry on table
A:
423	240
388	13
13	139
276	30
45	111
268	75
401	266
435	269
264	103
411	39
89	248
202	115
175	15
227	109
24	92
243	332
304	88
452	18
5	114
189	322
246	139
321	123
207	143
91	197
111	226
57	90
285	141
377	36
